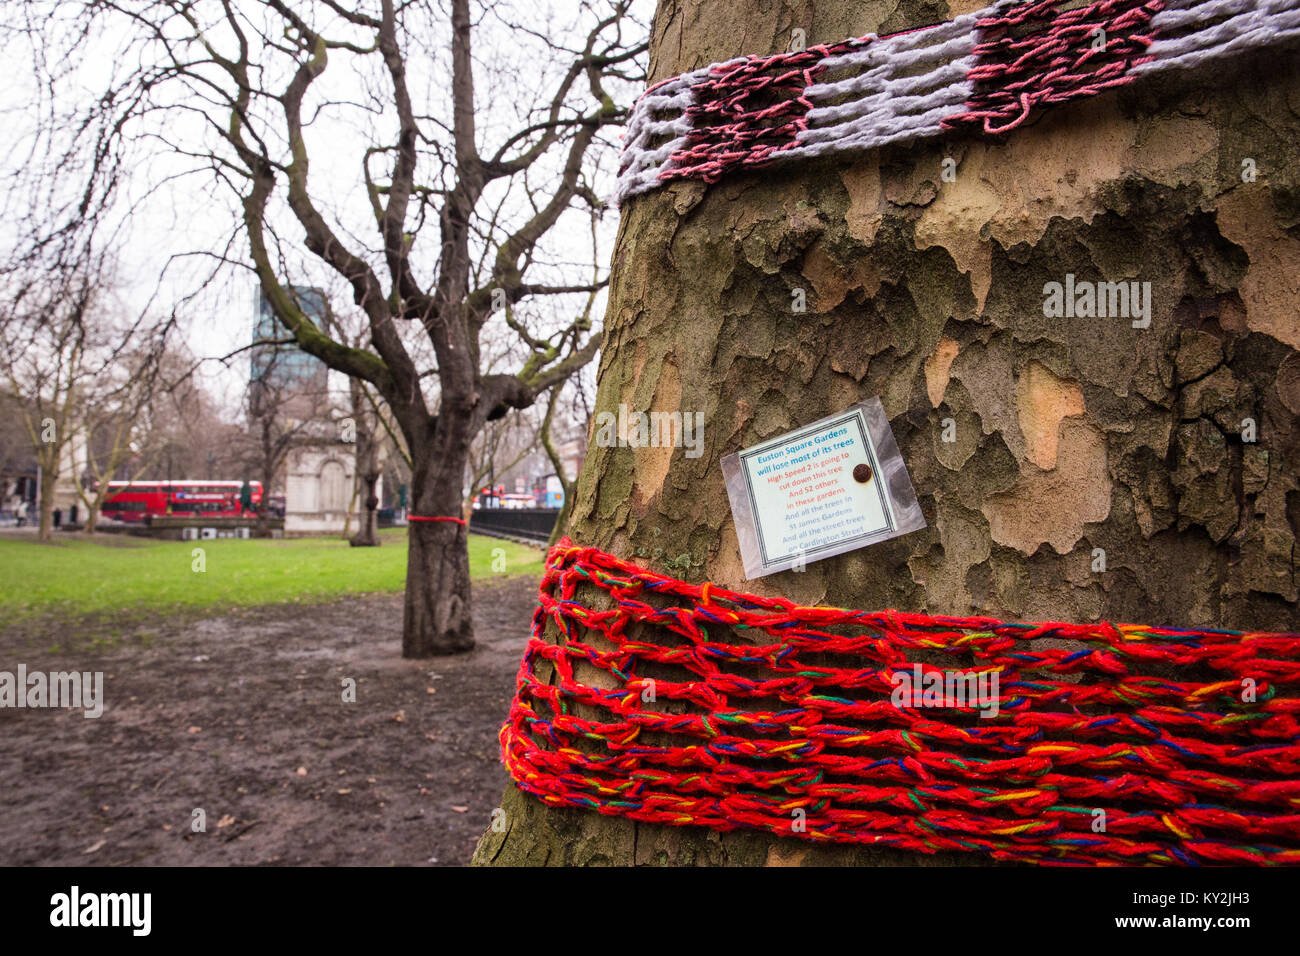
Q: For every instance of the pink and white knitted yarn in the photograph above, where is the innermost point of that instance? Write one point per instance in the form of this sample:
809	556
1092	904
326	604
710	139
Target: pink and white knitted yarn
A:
986	71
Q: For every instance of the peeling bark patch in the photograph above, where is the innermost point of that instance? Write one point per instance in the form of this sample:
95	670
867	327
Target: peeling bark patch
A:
1288	383
955	221
830	281
1051	507
936	369
986	373
863	216
652	463
1011	191
1044	400
1271	287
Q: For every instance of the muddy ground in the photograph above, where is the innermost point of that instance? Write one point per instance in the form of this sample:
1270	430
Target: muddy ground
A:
242	716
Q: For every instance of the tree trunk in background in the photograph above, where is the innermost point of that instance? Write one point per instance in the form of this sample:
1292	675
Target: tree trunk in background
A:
368	535
367	465
45	518
1071	435
437	610
262	528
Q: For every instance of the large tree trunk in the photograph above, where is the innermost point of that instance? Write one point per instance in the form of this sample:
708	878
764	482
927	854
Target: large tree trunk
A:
1070	437
437	618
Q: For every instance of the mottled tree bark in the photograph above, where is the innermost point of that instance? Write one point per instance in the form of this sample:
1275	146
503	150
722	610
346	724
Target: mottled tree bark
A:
1069	435
436	608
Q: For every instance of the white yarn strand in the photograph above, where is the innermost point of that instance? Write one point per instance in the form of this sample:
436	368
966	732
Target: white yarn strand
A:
1247	26
903	87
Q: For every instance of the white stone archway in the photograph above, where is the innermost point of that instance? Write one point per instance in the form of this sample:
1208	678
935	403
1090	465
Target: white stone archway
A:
318	489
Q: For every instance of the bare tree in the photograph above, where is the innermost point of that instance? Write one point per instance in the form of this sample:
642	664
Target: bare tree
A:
460	212
370	462
188	429
546	432
381	451
46	372
118	422
568	484
69	357
16	461
500	446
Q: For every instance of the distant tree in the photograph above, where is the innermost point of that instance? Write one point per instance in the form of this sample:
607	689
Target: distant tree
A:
370	447
553	422
458	199
116	421
190	432
568	483
498	448
73	363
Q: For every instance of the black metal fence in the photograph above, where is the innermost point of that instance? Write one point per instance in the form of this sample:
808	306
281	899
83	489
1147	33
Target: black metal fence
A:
532	524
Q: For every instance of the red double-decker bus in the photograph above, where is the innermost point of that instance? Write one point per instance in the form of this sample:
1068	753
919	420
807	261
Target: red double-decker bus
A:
136	500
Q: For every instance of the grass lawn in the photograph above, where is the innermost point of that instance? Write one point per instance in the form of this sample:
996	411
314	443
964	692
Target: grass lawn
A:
111	573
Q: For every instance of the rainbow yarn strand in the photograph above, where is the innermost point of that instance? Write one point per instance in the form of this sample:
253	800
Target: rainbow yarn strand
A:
688	704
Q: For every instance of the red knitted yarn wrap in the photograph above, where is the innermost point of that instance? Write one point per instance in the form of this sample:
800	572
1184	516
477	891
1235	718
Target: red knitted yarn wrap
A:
1039	53
750	111
687	704
985	71
747	113
447	518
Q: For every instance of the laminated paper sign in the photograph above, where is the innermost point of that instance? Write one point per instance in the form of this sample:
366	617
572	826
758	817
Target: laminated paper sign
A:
833	486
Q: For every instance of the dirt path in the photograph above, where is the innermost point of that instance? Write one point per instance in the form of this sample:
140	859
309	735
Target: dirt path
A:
243	717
